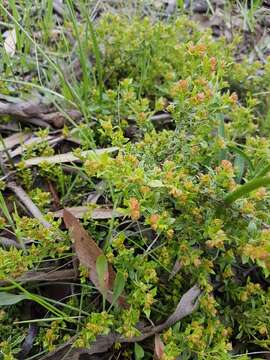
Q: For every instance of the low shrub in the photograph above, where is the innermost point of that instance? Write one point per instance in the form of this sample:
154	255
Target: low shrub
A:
193	192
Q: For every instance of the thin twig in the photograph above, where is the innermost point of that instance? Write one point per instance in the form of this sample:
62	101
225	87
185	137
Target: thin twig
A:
103	343
25	199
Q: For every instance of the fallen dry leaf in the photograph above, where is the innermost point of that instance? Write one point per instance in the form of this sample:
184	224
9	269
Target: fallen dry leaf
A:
87	251
96	214
159	347
67	157
10	42
28	203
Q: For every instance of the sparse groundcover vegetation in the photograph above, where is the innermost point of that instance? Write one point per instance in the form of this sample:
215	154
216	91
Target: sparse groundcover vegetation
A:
166	143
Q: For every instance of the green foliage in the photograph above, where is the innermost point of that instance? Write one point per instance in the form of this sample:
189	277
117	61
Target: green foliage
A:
118	286
171	183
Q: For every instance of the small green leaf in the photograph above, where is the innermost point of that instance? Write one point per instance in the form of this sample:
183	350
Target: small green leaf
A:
118	286
147	312
139	352
102	272
155	183
10	299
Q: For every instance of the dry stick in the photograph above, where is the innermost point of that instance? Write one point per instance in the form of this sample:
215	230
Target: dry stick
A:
25	199
41	114
185	307
49	276
35	122
14	140
6	242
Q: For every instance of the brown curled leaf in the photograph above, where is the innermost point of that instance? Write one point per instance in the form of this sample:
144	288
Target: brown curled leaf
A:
88	251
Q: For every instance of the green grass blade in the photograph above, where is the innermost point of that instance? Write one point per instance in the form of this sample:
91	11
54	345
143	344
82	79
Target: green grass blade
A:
82	53
239	164
243	155
263	171
246	189
118	287
97	53
102	272
221	133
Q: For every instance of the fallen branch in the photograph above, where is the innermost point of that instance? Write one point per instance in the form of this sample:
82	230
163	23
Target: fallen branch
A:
49	276
96	214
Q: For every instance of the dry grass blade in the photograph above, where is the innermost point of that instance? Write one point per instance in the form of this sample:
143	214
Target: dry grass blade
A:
66	158
28	203
87	251
185	307
96	214
35	140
